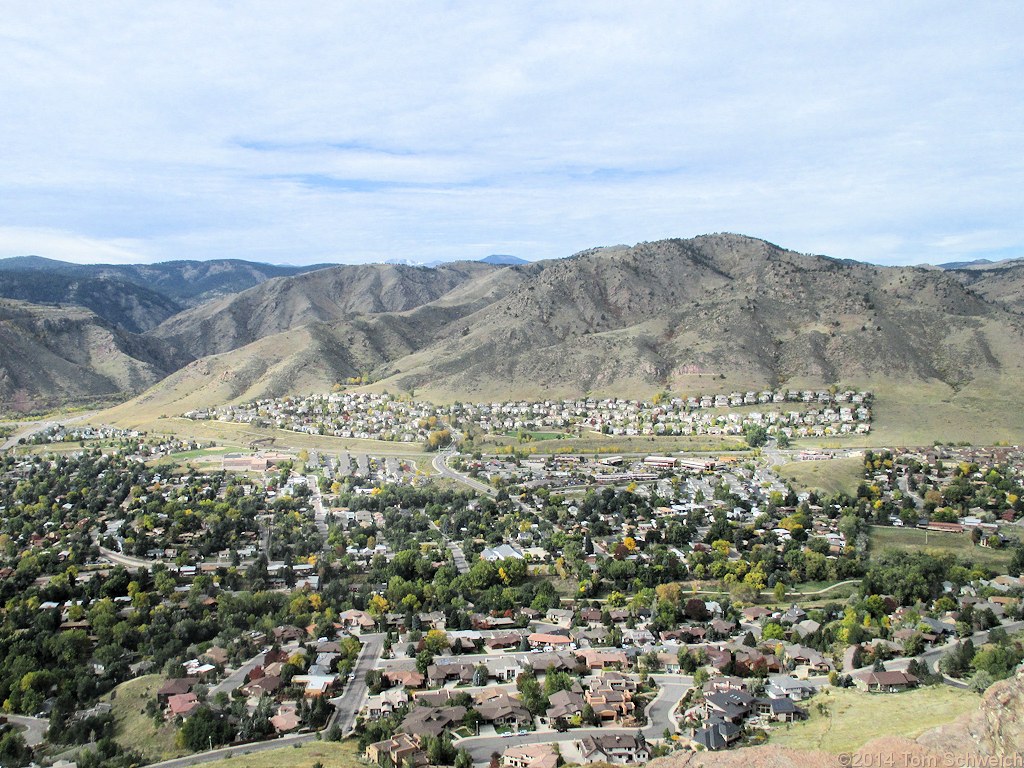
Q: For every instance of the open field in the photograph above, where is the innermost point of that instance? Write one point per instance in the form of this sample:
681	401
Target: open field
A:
854	718
915	540
832	476
135	729
332	754
610	445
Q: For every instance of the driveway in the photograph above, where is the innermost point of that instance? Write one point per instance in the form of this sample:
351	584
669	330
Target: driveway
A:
32	728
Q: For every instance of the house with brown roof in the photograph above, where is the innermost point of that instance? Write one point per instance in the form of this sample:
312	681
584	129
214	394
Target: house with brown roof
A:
182	705
609	704
506	712
409	678
286	719
541	640
565	704
600	658
431	721
885	682
398	750
174	687
267	685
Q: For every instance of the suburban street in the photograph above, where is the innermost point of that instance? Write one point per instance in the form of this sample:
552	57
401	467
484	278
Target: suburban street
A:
351	700
658	717
440	464
236	678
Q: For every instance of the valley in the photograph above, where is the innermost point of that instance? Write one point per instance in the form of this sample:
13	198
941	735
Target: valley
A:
637	504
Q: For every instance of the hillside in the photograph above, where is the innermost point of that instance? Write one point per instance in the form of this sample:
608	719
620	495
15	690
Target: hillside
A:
714	313
313	357
128	306
994	732
1001	283
327	296
52	356
722	311
184	283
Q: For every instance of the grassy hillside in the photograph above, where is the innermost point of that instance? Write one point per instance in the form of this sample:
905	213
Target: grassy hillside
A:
852	718
135	729
340	754
960	544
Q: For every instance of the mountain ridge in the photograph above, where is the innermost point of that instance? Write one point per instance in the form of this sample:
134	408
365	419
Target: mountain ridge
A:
718	312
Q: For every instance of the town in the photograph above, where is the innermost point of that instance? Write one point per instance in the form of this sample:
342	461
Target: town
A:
598	608
793	413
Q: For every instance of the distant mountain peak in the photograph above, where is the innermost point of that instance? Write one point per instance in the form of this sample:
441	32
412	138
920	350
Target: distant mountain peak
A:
503	258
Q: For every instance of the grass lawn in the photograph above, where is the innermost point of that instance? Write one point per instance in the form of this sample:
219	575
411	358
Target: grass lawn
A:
333	754
855	718
915	540
604	445
831	476
135	729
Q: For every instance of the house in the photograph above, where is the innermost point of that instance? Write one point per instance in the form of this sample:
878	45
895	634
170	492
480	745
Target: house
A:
503	669
616	681
560	616
286	719
609	704
531	756
315	685
596	658
544	640
399	750
507	712
713	736
431	721
182	705
733	706
173	687
385	702
501	552
439	674
288	633
618	749
564	704
756	613
410	678
504	642
779	710
885	682
786	687
353	620
264	684
217	656
637	637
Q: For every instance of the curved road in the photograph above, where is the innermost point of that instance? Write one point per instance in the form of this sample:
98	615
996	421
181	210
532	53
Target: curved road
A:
32	728
659	717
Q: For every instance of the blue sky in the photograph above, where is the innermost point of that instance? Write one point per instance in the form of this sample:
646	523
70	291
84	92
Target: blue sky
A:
352	131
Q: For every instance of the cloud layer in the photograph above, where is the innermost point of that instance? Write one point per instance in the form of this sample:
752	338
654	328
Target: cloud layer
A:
351	131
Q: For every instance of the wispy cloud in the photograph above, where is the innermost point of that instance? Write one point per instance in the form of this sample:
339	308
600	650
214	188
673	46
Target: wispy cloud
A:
357	131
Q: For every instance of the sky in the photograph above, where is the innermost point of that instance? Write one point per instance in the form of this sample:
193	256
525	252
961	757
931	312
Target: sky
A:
308	132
